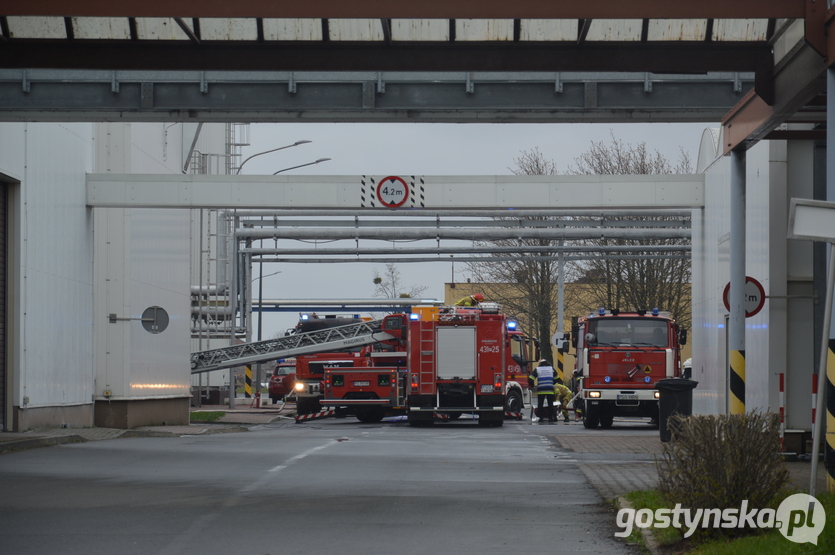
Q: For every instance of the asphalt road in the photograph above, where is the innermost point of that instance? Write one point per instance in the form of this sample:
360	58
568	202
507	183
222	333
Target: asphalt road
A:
331	486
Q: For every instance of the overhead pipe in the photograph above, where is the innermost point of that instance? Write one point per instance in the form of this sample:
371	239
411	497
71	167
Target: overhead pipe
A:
567	258
495	213
491	234
464	250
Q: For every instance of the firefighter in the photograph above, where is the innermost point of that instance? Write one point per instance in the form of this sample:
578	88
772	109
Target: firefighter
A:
471	300
544	376
563	395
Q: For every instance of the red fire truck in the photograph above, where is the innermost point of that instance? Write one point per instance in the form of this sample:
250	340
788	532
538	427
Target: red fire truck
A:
440	360
620	357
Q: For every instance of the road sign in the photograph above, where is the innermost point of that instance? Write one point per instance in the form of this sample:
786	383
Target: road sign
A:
754	296
392	191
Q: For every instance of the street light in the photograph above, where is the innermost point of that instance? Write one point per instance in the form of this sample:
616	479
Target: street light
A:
258	373
303	165
297	143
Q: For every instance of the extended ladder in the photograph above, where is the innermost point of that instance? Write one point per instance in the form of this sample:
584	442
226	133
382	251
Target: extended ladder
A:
320	341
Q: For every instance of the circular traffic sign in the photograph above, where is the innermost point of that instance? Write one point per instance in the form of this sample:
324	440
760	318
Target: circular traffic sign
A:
754	297
392	191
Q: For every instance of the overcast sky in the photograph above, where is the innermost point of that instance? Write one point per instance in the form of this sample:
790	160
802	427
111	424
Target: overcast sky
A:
422	149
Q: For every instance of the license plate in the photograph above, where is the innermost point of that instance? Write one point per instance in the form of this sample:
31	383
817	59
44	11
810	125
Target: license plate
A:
362	384
627	397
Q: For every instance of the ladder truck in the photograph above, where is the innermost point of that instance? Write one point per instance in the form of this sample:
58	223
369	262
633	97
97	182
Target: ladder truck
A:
397	353
620	356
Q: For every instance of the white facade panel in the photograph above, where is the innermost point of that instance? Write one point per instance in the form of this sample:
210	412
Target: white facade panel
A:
740	29
615	30
144	261
223	28
292	29
420	29
549	29
113	28
161	28
52	356
483	29
159	251
355	29
37	27
676	29
778	339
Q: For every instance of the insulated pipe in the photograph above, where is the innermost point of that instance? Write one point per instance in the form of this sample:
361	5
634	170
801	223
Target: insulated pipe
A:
498	213
475	234
469	250
468	259
351	302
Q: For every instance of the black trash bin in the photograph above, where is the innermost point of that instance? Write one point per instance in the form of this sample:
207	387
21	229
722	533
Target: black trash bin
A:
675	395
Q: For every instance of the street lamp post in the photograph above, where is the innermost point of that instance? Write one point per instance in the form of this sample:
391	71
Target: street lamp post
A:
297	143
320	160
259	374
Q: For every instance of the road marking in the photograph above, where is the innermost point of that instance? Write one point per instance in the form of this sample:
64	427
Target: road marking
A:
300	456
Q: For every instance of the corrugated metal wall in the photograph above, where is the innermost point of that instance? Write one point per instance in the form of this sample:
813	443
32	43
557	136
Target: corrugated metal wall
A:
2	306
779	338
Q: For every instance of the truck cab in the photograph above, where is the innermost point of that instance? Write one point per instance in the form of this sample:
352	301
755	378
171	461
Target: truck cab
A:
620	358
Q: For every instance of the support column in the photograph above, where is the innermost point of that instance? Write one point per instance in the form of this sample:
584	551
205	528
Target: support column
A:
736	322
829	390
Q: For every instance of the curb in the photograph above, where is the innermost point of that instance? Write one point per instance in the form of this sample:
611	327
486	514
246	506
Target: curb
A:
646	534
34	443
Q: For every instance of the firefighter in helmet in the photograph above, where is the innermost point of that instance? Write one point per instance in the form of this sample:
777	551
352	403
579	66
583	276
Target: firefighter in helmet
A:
563	395
470	300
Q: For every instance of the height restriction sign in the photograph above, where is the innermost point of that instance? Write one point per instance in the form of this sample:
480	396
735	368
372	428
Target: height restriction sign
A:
392	191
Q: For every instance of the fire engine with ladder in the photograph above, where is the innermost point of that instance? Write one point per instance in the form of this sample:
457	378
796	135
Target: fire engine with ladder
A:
620	356
432	362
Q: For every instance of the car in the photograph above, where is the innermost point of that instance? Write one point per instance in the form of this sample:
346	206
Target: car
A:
282	379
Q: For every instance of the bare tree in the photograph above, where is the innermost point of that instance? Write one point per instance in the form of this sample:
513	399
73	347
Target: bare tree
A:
390	286
635	284
526	289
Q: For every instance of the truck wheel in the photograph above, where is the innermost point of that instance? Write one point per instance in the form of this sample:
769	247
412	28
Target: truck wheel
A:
513	401
592	416
370	415
607	416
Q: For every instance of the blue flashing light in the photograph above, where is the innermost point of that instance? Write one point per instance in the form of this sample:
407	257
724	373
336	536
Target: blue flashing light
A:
607	379
655	312
511	325
305	316
647	379
414	316
602	311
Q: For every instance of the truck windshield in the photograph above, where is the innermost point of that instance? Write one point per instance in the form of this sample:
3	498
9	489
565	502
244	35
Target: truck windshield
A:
630	331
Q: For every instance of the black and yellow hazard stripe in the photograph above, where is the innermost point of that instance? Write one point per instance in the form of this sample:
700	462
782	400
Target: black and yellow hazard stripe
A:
561	365
830	417
737	385
248	384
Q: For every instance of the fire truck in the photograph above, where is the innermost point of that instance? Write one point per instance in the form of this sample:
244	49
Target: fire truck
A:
441	361
445	360
620	357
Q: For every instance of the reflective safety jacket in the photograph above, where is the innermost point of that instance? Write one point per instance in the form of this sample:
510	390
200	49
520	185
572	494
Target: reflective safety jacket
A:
544	375
563	394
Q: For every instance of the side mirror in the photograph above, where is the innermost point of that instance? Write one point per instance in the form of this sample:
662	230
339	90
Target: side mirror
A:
682	337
